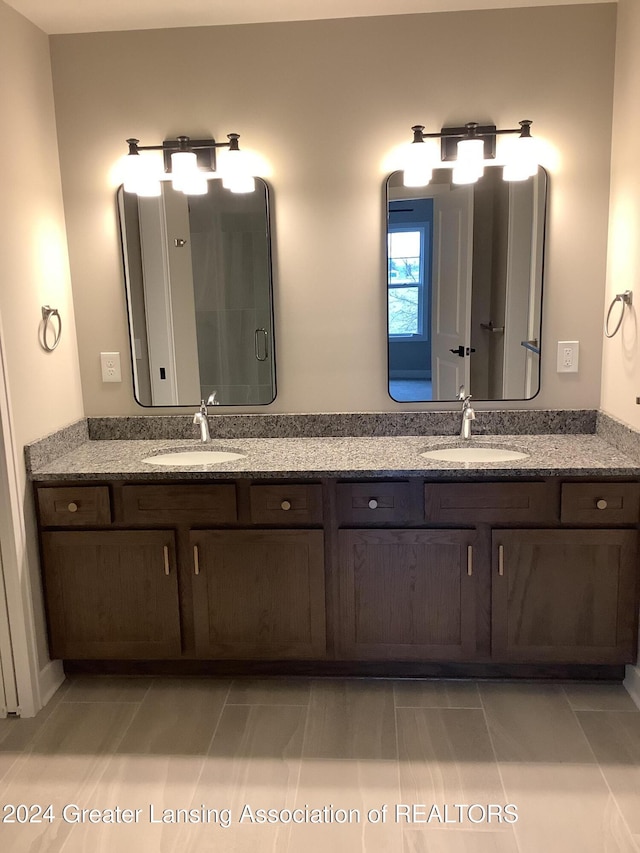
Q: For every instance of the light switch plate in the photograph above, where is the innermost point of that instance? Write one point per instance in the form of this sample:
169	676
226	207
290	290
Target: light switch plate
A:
568	356
110	364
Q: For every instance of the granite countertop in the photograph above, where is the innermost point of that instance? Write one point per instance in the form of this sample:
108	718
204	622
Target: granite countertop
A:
397	456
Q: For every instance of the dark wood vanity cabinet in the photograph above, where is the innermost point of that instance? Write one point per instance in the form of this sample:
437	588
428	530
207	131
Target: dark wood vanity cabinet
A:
564	595
111	594
403	572
407	595
258	594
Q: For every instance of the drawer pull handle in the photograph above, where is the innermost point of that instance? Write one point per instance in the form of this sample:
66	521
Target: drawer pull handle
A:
501	560
166	560
373	504
73	507
285	505
601	504
470	560
196	560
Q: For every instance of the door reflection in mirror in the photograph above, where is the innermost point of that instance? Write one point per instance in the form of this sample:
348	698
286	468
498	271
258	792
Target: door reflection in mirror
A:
199	296
464	287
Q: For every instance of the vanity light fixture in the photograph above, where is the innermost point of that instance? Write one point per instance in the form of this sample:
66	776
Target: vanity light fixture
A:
190	162
469	146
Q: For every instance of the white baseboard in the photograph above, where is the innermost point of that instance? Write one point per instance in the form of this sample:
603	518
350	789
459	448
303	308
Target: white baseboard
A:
632	683
49	678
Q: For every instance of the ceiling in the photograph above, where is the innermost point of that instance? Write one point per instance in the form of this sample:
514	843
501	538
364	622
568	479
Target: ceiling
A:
82	16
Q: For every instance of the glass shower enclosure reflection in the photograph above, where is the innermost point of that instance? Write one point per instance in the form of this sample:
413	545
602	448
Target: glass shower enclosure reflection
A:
199	296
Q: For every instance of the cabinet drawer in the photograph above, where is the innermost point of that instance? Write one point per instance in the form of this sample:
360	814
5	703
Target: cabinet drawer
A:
179	504
81	506
600	503
491	503
373	503
286	504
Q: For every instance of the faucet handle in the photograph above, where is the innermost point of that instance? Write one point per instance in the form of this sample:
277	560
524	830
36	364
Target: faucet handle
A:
203	407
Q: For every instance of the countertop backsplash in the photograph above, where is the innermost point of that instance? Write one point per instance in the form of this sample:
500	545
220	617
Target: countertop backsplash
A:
323	425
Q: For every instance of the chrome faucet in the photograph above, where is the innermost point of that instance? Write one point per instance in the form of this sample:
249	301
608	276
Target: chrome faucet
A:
468	413
200	418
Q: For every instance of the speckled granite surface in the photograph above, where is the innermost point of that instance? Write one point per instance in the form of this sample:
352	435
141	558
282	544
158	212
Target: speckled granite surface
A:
619	435
549	455
57	444
516	422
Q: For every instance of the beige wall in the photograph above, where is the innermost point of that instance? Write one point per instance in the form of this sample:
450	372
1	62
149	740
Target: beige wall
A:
621	361
325	102
44	389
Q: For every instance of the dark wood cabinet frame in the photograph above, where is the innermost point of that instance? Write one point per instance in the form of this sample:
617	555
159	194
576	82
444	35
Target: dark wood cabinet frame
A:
399	577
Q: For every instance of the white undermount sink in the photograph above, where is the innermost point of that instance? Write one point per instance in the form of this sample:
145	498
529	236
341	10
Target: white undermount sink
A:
194	457
475	454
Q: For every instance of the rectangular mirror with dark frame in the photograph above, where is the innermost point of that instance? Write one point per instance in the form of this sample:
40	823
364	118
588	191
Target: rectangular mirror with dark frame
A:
199	296
464	287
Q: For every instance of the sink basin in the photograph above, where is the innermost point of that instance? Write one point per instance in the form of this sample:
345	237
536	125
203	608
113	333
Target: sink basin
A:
475	454
194	457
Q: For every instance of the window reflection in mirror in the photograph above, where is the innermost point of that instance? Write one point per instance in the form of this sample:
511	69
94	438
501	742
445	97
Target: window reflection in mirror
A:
464	287
199	296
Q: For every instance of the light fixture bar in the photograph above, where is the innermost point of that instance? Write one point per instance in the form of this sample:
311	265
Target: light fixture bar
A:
450	136
193	182
461	145
204	149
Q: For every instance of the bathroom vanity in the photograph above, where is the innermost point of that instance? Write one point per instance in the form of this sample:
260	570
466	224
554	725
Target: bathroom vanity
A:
406	565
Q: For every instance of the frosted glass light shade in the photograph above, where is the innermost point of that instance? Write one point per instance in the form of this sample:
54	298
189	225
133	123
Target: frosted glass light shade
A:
236	172
243	184
184	168
418	164
465	175
522	159
139	175
470	160
195	184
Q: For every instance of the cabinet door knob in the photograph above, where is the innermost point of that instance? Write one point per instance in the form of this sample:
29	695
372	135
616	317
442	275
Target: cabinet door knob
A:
373	503
601	504
285	505
73	507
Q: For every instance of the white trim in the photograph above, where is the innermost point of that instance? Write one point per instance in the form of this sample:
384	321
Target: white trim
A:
50	679
8	687
14	559
632	683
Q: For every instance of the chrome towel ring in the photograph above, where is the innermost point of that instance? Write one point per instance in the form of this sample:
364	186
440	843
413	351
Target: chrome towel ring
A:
48	323
625	298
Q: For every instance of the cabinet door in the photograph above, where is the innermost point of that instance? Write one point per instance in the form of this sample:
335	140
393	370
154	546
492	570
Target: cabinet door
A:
564	596
259	594
407	595
112	594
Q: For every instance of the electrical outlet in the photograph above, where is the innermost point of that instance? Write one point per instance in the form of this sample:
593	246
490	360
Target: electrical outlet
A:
110	364
568	355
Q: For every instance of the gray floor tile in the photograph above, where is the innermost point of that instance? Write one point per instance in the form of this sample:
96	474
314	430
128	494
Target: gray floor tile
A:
64	763
533	722
147	784
459	841
599	697
90	688
615	739
351	719
564	808
176	717
446	757
269	691
254	761
436	694
359	789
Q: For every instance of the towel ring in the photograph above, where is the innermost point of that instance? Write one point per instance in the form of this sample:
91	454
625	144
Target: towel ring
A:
47	322
625	298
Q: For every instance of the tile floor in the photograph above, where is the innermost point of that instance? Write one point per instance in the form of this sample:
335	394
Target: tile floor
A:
364	752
